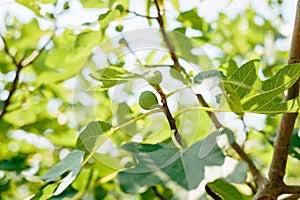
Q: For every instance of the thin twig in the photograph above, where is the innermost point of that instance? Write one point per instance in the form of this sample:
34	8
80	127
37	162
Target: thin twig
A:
168	114
19	65
163	97
11	91
257	176
212	115
142	62
15	81
6	50
36	53
140	15
160	14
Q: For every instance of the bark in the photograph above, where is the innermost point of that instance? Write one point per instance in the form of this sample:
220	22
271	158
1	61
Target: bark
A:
275	186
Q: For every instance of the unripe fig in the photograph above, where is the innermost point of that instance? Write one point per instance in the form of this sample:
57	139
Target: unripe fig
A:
154	78
119	28
148	100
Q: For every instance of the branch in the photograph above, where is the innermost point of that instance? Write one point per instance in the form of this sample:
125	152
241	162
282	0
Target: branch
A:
169	116
292	189
292	197
212	115
19	65
11	91
163	96
160	13
276	185
258	178
6	50
139	15
286	127
36	53
16	79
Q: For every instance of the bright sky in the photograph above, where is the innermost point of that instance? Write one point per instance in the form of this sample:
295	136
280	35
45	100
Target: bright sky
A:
206	8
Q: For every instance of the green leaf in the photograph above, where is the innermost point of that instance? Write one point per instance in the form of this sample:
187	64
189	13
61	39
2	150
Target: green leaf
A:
46	193
175	4
169	166
274	86
16	163
184	46
232	96
226	190
33	5
68	56
66	194
229	134
267	107
112	76
261	96
106	18
149	3
123	115
191	19
239	175
200	77
295	144
233	99
107	164
99	192
30	35
229	68
91	135
93	3
56	58
88	39
72	162
246	78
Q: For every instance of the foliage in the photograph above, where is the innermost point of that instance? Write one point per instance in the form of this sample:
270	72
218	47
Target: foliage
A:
100	110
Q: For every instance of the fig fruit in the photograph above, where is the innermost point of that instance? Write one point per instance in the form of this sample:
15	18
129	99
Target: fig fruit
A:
155	78
148	100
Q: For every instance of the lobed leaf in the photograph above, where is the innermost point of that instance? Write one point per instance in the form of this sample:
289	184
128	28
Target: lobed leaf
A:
112	76
72	162
90	136
246	92
167	165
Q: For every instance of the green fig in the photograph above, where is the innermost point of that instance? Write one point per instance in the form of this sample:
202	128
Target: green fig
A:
155	78
119	28
148	100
